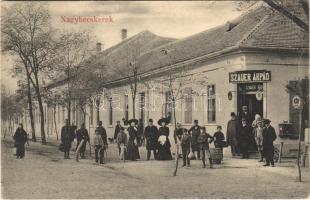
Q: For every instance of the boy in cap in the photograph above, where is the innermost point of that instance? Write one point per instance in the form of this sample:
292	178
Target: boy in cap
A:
99	147
203	141
121	139
269	135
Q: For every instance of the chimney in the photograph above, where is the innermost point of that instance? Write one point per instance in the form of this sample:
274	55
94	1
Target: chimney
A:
124	34
98	47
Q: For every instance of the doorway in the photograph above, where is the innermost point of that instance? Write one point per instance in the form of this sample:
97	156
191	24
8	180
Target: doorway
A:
247	97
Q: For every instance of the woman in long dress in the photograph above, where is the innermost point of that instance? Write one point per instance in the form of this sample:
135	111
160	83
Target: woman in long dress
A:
132	146
164	152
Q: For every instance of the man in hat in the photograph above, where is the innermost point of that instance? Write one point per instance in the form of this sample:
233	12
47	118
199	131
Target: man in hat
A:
269	135
232	132
151	136
195	132
103	133
244	114
117	129
67	136
82	134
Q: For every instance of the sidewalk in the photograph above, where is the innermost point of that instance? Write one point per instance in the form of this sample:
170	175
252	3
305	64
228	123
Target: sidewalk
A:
45	174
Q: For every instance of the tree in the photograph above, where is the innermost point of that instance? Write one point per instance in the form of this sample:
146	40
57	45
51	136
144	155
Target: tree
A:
71	52
129	57
27	34
26	90
11	108
282	7
285	8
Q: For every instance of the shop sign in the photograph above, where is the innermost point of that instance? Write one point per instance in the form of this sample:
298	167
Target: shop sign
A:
250	76
250	87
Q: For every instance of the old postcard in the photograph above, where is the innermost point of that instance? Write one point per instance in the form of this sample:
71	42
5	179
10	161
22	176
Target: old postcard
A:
155	100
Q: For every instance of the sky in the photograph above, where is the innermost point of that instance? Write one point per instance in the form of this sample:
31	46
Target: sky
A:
174	19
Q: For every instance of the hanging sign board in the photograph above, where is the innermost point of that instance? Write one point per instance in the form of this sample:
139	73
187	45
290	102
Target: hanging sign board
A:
251	76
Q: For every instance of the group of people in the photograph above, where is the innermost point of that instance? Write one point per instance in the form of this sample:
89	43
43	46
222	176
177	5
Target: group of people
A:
194	142
241	133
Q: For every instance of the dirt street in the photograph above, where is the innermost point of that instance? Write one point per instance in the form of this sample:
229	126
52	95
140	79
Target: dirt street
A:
43	173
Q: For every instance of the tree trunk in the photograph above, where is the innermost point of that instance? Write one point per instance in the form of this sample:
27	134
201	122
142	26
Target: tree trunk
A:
177	147
31	116
69	110
55	125
37	89
134	106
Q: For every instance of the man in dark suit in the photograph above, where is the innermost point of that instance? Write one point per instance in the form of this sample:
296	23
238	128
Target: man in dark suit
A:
67	137
151	136
117	129
269	135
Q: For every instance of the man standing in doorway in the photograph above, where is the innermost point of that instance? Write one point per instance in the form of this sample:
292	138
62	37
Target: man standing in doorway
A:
232	132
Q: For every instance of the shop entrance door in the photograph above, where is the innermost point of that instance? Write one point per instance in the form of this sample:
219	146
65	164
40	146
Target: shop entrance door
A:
247	96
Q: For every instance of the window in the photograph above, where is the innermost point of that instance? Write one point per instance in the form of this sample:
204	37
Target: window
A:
110	111
142	105
188	106
126	107
211	103
91	109
168	105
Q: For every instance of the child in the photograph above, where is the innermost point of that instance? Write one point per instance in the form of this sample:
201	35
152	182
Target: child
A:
121	140
219	138
185	146
99	147
203	141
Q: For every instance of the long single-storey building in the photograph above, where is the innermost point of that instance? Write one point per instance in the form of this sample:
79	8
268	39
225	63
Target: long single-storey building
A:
245	63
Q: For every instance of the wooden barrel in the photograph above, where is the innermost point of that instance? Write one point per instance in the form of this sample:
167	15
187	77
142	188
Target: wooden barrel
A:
216	155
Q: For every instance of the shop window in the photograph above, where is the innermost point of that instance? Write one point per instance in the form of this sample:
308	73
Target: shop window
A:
211	104
188	112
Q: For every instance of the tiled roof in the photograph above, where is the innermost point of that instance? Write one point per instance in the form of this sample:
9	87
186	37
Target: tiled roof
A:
277	31
260	28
